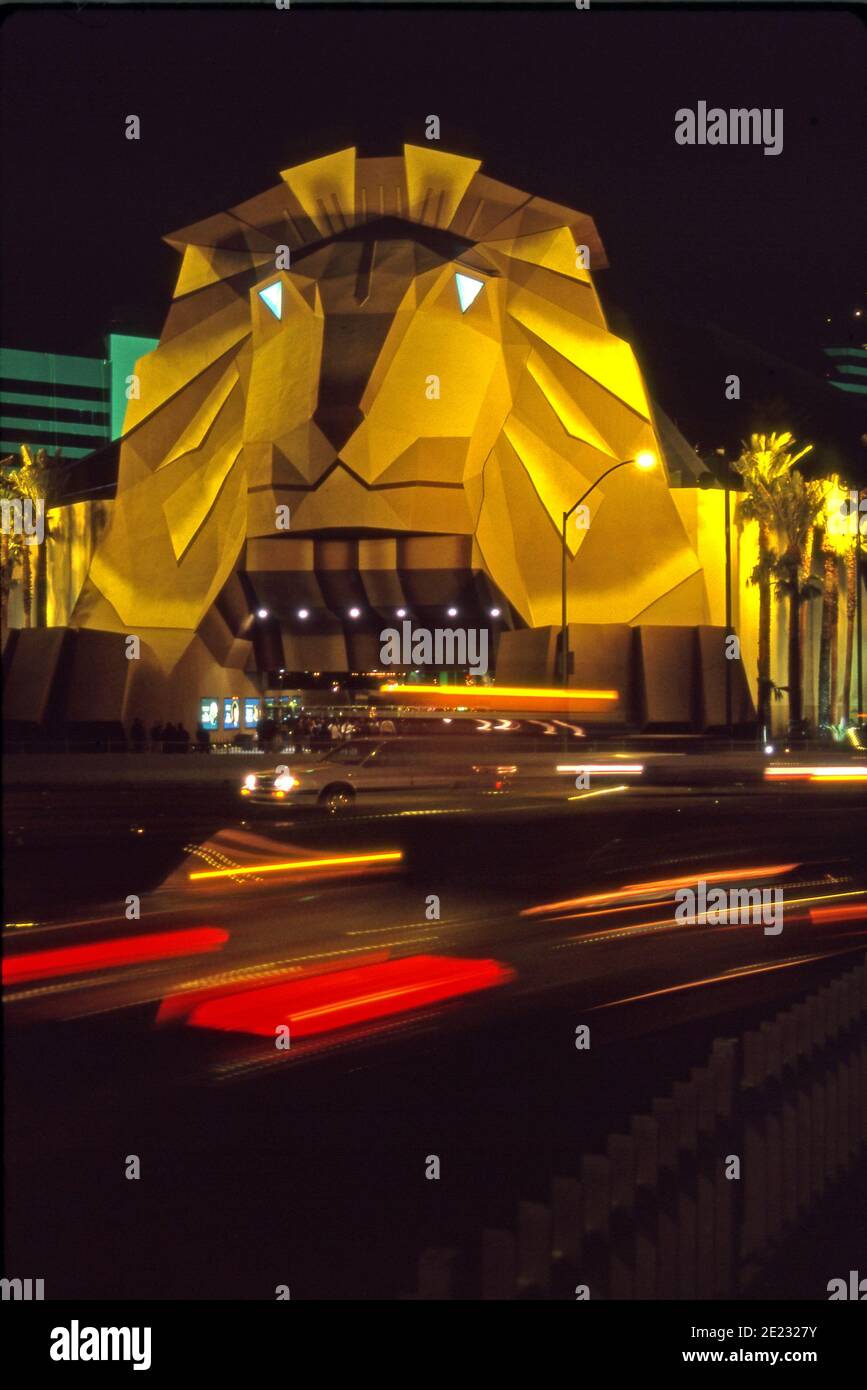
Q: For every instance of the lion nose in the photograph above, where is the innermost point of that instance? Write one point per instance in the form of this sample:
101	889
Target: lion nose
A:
338	425
350	348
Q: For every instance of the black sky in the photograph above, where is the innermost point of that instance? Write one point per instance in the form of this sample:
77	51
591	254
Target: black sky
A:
576	106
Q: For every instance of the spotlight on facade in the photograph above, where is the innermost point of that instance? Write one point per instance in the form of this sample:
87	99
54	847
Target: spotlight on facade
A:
303	613
453	612
261	612
495	612
645	460
355	612
401	612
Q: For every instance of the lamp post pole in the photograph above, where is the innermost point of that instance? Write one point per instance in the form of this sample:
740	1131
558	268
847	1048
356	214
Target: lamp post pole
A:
859	579
709	479
564	631
728	666
564	628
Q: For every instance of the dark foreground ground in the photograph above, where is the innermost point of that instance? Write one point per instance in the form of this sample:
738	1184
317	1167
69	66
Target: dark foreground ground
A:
307	1167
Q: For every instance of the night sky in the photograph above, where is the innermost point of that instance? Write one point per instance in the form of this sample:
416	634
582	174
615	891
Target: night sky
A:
711	248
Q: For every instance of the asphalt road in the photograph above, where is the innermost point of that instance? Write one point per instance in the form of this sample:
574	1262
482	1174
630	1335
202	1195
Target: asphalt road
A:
305	1166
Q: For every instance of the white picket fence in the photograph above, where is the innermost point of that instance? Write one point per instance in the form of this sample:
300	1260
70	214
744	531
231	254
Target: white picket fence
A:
656	1216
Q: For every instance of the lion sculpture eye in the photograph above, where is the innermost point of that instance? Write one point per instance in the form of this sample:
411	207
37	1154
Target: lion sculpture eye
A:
468	289
272	296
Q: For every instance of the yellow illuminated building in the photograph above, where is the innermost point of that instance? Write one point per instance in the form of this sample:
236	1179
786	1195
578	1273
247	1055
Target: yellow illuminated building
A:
379	386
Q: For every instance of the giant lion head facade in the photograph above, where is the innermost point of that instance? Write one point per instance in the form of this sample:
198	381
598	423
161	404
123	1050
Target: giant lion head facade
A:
378	387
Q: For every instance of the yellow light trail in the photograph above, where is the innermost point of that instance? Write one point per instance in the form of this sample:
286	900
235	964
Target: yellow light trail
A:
662	885
391	856
491	693
605	911
838	777
699	920
626	769
602	791
831	773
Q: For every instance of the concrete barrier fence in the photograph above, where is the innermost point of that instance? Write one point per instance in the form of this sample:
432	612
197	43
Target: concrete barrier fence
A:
659	1214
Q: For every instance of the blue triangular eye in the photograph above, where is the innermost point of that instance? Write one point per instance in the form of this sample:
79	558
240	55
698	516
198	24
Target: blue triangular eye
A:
467	290
272	295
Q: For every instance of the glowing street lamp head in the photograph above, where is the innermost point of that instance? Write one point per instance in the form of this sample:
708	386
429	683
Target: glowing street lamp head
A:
645	460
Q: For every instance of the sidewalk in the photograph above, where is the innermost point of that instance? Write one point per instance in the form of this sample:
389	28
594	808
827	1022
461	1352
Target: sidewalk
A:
93	769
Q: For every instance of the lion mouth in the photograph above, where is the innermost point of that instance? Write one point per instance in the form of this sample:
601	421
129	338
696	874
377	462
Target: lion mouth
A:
385	483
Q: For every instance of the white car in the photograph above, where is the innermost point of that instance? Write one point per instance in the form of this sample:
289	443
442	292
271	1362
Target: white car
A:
391	765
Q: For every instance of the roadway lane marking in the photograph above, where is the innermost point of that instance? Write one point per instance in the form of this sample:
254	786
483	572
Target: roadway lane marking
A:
734	974
323	955
618	933
312	1049
403	926
117	977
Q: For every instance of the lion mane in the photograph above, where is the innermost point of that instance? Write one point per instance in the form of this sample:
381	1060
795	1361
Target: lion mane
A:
379	386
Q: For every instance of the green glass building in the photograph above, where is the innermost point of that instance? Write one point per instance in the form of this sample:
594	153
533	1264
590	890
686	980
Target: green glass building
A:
76	404
850	368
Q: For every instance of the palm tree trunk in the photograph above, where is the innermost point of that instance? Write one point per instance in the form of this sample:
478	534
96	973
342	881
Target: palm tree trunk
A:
851	603
764	666
5	579
828	644
835	607
40	582
794	653
824	648
806	571
26	584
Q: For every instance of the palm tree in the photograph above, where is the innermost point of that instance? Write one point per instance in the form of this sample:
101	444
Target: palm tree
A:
798	505
828	642
850	559
850	543
28	481
763	463
12	544
833	545
809	586
42	479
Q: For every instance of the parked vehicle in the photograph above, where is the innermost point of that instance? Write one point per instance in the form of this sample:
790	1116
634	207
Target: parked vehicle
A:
394	766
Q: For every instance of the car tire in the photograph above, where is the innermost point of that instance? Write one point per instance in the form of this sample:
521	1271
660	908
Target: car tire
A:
336	797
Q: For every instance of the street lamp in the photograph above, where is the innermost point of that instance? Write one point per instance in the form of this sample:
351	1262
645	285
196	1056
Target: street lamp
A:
645	461
729	483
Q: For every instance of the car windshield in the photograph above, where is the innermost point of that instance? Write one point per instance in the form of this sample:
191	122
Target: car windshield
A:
349	753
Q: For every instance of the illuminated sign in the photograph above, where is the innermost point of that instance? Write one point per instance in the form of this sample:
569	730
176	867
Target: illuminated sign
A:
231	712
209	712
251	714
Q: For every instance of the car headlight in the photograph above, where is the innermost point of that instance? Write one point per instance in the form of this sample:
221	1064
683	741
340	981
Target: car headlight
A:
285	782
251	781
